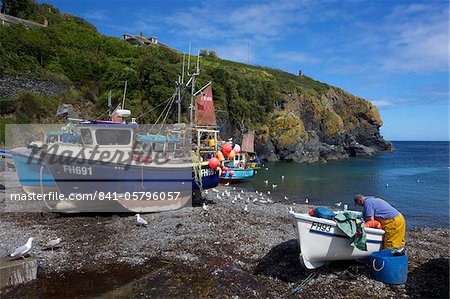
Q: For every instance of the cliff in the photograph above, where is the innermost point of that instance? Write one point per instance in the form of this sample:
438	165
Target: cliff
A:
334	125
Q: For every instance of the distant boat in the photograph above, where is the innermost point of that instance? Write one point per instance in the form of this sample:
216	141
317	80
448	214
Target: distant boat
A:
248	149
244	163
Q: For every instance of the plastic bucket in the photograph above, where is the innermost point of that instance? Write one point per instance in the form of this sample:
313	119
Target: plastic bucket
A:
387	268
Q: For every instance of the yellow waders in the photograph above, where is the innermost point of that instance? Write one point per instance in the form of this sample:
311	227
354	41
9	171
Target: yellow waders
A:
395	229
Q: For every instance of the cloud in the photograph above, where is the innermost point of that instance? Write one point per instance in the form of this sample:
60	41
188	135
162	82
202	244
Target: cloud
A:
419	40
260	21
382	102
96	15
235	52
298	57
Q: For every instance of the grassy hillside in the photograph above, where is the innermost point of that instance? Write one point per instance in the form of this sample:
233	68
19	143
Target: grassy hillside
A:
72	50
285	108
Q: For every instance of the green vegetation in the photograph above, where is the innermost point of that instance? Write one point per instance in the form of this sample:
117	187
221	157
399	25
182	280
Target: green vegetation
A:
289	130
72	51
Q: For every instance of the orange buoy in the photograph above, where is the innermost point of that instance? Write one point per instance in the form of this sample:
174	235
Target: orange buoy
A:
220	156
213	163
231	155
226	149
373	224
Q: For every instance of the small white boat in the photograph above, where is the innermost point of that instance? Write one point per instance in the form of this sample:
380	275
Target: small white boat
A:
321	241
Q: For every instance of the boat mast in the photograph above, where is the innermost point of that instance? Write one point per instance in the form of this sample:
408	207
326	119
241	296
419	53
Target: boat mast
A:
179	86
109	106
192	79
124	94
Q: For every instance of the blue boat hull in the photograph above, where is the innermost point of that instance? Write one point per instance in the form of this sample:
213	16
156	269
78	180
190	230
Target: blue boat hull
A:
31	172
89	177
239	175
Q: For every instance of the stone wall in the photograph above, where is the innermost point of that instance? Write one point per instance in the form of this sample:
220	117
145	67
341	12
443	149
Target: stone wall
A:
11	86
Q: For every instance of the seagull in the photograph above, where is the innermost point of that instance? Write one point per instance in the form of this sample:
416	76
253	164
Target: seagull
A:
282	178
242	191
387	185
140	220
256	171
206	192
53	243
338	204
255	200
205	207
274	186
246	209
22	250
227	184
291	210
267	168
418	181
266	181
269	200
234	200
234	188
218	196
286	198
306	200
215	190
268	192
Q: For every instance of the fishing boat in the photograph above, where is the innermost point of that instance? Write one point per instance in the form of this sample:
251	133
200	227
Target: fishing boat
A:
185	168
243	164
237	170
321	241
248	149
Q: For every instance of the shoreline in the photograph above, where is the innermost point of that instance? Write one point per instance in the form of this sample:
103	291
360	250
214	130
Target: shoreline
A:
187	253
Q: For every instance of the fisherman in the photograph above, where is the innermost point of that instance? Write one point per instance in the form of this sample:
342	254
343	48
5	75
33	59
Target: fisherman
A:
392	221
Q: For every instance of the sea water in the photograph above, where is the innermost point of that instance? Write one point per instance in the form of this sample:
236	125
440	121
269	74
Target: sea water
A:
414	179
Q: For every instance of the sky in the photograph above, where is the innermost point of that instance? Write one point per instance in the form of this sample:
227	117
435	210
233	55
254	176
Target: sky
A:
393	53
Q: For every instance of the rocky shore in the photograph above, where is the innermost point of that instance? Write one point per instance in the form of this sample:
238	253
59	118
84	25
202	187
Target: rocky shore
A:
222	253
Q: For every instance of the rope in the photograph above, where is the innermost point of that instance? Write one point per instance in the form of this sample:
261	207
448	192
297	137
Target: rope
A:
197	167
162	113
303	284
152	109
167	113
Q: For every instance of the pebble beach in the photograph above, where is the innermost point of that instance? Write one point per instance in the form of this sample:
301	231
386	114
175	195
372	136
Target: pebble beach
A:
223	252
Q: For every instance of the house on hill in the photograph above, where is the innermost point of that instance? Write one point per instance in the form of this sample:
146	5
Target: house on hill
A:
6	20
141	40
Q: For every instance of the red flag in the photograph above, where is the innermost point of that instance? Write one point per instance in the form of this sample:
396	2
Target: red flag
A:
204	108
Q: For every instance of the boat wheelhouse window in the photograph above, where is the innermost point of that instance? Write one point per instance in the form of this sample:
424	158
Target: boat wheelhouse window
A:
112	137
86	136
158	147
52	138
